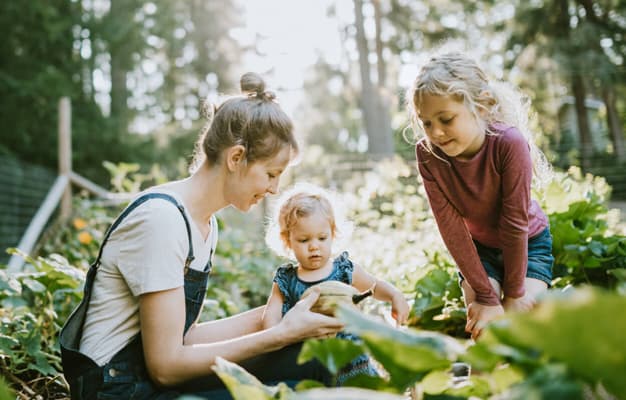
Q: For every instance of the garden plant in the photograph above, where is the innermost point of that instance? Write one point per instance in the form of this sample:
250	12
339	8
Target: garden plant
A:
569	347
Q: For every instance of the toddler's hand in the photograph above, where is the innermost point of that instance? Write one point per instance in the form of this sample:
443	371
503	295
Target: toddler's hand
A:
524	303
400	309
478	315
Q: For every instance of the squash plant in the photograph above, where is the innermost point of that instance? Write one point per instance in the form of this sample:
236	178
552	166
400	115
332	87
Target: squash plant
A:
519	356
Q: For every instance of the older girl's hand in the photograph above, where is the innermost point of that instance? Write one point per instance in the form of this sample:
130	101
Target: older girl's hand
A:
524	303
301	323
478	315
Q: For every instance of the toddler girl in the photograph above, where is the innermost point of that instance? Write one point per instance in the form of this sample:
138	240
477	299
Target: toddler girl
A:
305	226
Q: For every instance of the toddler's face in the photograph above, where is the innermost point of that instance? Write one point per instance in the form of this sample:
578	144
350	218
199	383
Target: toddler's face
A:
311	240
451	126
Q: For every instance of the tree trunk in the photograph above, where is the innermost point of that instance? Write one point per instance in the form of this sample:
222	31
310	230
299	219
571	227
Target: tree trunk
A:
378	131
380	62
119	49
584	133
384	99
613	123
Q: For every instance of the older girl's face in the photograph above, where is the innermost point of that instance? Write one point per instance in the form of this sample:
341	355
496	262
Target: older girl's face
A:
451	126
256	180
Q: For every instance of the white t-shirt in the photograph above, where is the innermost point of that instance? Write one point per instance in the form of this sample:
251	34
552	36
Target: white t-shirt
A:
145	253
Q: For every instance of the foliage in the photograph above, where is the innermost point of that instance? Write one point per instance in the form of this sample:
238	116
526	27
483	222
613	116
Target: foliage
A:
126	67
79	238
5	392
588	246
438	303
595	354
519	356
388	208
243	268
243	386
34	304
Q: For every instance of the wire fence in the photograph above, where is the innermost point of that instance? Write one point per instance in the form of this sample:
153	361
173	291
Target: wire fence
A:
24	188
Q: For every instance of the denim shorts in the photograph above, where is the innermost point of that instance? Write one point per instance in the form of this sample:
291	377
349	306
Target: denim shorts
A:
540	259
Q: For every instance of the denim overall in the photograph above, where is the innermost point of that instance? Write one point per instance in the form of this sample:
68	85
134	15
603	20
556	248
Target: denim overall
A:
125	376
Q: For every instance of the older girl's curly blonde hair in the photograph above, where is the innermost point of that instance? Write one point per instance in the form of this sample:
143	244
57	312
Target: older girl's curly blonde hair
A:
456	75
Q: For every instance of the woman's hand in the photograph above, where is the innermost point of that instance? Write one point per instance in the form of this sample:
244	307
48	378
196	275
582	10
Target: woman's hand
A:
478	315
400	309
524	303
301	323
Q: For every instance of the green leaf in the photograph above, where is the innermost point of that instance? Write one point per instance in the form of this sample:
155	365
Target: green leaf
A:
367	382
547	382
8	284
243	385
342	394
505	377
597	248
308	384
5	391
619	273
476	387
34	286
7	344
406	354
436	382
581	328
482	357
333	353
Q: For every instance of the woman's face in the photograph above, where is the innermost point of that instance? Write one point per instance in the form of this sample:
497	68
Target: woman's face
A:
254	181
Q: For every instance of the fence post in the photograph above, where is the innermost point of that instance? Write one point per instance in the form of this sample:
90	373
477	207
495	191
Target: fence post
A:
65	153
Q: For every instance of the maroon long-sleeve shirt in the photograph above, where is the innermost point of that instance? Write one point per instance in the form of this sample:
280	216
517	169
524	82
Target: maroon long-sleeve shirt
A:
486	198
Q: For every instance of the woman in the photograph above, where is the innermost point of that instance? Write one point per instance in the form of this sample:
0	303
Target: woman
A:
135	333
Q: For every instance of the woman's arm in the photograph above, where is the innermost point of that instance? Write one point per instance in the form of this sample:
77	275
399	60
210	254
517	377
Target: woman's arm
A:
170	362
384	291
273	308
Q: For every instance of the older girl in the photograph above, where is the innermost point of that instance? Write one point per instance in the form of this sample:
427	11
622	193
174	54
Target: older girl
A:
476	162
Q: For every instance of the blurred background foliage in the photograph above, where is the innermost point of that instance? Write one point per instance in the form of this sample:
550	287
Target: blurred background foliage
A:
136	71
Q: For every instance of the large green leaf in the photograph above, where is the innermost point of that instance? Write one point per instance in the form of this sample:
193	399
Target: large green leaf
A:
583	329
547	382
5	392
341	394
406	354
243	385
332	353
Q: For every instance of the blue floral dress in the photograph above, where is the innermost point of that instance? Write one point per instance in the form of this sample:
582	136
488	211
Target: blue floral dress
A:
292	287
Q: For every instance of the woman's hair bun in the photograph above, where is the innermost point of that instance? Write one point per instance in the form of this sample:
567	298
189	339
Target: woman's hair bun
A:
254	86
252	83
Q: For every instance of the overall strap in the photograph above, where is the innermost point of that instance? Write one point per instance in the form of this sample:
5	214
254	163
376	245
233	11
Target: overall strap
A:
137	203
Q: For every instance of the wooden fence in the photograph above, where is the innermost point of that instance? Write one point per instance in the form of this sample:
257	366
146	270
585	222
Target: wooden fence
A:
59	195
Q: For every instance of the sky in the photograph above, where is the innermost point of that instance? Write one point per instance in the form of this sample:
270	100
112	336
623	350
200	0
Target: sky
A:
289	45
